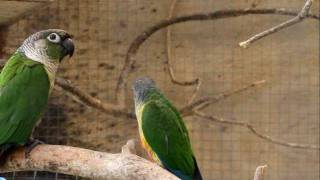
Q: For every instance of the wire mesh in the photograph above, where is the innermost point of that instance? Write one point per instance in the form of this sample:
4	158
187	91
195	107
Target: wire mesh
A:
286	107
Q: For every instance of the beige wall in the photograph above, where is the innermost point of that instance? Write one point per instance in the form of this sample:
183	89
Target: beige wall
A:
286	108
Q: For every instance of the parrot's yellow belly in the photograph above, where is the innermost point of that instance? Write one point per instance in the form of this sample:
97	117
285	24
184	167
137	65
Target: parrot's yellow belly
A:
152	155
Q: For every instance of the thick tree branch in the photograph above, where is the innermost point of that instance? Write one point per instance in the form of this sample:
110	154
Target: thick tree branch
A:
300	17
255	132
85	163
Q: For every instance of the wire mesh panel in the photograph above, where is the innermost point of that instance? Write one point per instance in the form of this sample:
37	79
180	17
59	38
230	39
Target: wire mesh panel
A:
284	108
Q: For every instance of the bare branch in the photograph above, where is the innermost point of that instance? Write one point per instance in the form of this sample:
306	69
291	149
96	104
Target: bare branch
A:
204	102
174	80
130	58
169	54
84	163
91	101
300	17
255	132
195	92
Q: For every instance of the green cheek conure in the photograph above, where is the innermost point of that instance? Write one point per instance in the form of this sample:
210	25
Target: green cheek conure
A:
26	82
162	131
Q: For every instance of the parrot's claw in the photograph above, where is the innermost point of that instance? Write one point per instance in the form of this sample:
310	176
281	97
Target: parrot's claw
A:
30	145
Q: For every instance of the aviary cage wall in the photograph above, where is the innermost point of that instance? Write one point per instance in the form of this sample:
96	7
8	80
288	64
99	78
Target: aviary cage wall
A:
285	107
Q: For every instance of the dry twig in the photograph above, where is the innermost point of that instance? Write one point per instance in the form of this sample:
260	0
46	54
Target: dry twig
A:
300	17
255	132
204	102
84	163
259	173
195	91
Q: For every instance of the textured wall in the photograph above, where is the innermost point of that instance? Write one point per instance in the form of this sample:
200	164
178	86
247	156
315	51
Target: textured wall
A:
286	108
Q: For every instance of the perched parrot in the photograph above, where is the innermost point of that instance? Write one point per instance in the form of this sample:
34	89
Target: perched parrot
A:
162	131
25	84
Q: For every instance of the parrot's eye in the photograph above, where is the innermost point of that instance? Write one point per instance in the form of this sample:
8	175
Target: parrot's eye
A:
54	37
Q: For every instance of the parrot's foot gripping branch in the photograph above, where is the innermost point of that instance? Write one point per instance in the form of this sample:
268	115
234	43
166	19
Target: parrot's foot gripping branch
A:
30	145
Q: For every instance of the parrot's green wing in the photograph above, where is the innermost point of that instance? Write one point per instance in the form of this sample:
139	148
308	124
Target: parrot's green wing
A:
24	89
167	136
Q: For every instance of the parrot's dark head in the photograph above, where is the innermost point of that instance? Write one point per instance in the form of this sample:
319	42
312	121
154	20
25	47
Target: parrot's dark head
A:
48	46
141	88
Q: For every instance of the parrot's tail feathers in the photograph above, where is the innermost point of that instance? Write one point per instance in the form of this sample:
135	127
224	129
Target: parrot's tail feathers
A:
4	152
197	174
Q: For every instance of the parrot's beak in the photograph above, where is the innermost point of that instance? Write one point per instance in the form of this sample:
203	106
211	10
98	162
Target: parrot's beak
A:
68	47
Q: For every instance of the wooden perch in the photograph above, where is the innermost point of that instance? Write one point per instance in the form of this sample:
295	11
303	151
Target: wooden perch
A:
85	163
